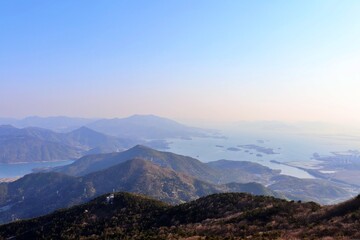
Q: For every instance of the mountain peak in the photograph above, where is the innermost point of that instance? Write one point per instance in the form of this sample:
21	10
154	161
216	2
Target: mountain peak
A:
144	116
83	129
139	147
178	163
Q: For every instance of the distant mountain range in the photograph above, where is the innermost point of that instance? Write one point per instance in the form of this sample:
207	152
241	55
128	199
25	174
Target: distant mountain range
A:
218	216
133	127
147	127
57	124
33	142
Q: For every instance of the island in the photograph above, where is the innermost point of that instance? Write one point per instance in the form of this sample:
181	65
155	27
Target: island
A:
234	149
259	149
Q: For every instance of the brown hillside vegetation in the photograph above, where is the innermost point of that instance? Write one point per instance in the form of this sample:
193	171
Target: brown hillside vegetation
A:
218	216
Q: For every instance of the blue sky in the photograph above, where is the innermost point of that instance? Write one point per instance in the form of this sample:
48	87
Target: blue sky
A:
201	60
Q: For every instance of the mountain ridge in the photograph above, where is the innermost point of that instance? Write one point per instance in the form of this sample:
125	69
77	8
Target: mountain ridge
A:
217	172
85	136
146	127
40	193
217	216
32	144
179	163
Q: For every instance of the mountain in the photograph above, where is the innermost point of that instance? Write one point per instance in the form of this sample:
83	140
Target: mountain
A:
8	131
40	193
218	216
222	171
178	163
219	172
98	142
138	127
33	144
57	124
89	137
126	211
144	177
146	127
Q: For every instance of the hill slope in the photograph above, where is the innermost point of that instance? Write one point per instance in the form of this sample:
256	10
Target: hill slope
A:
97	142
40	193
144	177
178	163
219	216
33	144
218	172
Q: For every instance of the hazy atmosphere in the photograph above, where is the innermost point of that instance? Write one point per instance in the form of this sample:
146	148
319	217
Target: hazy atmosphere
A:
186	60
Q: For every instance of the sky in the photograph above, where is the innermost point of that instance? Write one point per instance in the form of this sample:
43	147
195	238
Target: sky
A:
205	60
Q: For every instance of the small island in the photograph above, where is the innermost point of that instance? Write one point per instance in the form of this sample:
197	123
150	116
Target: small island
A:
259	149
234	149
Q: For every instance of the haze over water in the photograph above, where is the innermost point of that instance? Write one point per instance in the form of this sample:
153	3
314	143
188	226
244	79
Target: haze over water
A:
292	147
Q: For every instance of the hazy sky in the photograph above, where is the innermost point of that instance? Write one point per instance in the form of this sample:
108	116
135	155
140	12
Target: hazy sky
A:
214	60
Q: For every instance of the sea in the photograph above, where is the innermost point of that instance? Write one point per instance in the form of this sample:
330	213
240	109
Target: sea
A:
295	148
